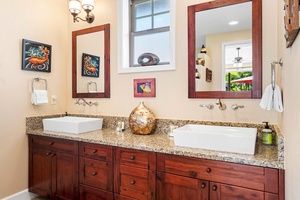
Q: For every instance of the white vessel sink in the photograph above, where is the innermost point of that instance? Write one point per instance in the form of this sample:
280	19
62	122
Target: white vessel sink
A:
75	125
219	138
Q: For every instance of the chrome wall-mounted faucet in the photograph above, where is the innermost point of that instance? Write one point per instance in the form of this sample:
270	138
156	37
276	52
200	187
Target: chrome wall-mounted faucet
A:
222	106
85	102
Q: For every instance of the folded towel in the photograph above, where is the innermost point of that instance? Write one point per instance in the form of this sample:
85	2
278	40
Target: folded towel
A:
271	99
277	99
39	97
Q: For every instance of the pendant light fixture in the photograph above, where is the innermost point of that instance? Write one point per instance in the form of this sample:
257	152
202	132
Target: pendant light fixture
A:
75	9
238	60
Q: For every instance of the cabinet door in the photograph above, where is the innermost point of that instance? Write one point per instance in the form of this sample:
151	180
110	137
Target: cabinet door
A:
40	172
65	176
227	192
173	187
90	193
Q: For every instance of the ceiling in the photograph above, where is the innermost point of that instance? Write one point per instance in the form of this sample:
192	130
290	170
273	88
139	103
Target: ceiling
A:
216	20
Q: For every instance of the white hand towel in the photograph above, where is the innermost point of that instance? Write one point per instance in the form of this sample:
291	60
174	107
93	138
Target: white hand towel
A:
39	97
267	98
277	99
271	99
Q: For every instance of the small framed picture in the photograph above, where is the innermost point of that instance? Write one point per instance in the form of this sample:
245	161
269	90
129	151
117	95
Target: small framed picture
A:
144	87
36	56
90	65
208	75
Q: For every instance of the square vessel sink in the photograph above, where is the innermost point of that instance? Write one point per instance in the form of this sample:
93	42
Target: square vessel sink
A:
74	125
219	138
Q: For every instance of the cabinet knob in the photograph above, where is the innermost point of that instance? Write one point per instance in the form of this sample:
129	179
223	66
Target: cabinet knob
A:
208	170
54	154
94	173
95	150
51	143
132	182
203	185
48	153
214	187
132	157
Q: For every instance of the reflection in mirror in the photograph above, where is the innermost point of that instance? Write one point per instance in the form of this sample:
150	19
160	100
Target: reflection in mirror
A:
91	62
231	33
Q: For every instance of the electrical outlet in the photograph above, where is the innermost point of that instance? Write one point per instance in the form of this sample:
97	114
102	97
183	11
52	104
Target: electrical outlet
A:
53	99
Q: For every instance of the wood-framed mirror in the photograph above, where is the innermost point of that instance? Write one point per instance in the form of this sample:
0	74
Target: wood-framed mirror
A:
226	87
91	62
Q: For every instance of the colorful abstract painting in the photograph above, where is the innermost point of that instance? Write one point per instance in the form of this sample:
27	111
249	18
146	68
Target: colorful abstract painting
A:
90	65
36	56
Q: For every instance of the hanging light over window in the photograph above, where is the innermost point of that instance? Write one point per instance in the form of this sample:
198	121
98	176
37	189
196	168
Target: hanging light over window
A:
238	60
75	9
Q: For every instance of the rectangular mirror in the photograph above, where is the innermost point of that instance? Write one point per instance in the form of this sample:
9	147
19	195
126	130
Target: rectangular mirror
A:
91	62
225	39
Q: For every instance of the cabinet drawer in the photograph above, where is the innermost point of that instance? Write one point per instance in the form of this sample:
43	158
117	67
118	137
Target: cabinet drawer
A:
96	173
54	144
259	178
133	178
96	151
136	158
90	193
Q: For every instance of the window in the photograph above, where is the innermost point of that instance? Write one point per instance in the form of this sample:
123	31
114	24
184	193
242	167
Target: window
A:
146	26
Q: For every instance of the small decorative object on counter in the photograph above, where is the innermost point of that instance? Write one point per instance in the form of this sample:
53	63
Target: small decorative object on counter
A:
142	120
267	137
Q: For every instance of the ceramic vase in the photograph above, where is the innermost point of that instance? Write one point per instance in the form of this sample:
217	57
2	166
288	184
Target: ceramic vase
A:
142	120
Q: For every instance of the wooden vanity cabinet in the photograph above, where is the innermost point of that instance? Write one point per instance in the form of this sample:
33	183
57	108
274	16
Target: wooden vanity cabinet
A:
53	167
181	177
96	171
135	174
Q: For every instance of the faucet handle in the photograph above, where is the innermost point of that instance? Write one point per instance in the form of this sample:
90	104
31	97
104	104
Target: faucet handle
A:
208	106
235	106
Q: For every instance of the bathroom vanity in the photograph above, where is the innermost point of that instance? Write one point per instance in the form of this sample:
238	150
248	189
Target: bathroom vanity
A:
106	164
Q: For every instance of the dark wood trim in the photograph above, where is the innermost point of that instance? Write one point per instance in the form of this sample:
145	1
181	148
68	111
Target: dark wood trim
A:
106	93
281	184
257	51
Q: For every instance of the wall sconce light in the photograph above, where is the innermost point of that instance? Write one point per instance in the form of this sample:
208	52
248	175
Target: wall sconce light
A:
75	9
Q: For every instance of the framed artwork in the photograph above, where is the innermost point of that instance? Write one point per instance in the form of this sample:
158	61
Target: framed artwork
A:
90	65
208	75
291	21
36	56
144	87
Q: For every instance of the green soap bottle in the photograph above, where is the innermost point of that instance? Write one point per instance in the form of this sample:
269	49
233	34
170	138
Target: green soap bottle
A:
267	137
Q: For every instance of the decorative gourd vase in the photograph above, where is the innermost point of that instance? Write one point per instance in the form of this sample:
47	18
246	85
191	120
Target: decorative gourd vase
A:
142	120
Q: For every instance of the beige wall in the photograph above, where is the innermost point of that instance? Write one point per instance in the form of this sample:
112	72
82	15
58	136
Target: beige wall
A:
289	120
33	20
171	100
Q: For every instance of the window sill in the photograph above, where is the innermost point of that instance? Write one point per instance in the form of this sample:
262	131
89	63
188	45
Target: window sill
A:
153	68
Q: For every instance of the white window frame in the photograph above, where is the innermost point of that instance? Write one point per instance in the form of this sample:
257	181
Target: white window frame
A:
124	41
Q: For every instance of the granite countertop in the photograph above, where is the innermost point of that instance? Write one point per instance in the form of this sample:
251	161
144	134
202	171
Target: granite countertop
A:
265	156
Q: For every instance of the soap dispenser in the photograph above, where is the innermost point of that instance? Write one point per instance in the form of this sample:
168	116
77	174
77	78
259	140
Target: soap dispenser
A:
267	137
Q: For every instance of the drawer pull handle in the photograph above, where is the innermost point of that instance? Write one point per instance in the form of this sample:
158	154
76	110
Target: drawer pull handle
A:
214	188
54	154
208	170
132	157
94	151
203	185
51	143
132	182
94	173
48	153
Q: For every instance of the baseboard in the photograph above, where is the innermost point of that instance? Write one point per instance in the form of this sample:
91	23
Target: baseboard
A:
23	195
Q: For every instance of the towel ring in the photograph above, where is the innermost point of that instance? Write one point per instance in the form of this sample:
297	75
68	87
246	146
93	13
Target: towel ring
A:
280	62
37	80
